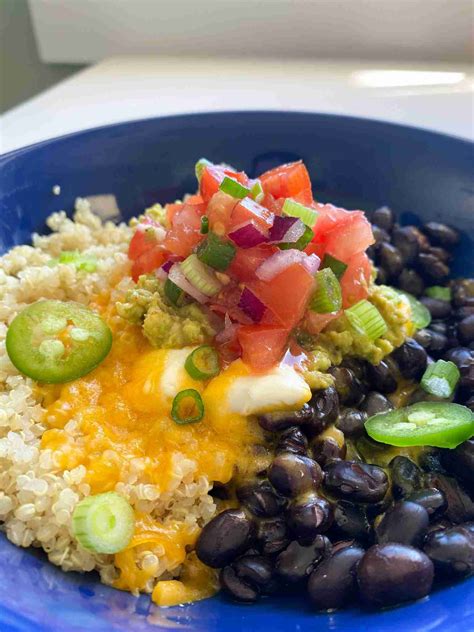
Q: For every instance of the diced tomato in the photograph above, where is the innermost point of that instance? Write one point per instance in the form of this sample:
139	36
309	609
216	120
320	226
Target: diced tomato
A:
315	323
262	347
341	233
213	175
171	210
143	239
287	295
219	211
355	280
287	180
149	261
185	231
246	261
194	199
248	210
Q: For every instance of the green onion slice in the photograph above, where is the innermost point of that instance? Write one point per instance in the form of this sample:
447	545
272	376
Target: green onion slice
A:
200	275
216	252
201	164
103	523
305	239
436	424
257	193
440	378
202	363
234	188
366	319
306	214
327	297
439	292
204	225
79	260
338	267
420	314
174	294
188	407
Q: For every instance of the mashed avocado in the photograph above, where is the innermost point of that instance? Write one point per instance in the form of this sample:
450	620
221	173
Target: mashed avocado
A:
165	326
339	339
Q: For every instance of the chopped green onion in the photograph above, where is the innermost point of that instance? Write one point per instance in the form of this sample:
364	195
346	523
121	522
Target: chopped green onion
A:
202	363
439	292
366	319
204	225
303	241
306	214
327	297
187	407
234	188
420	314
338	267
256	191
216	252
79	260
440	378
103	523
200	275
201	164
174	294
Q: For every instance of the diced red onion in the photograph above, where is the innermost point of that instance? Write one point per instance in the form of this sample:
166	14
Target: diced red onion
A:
248	236
166	267
161	274
252	305
177	276
286	230
283	259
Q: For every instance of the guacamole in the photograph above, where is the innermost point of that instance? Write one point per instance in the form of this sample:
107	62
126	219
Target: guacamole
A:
165	326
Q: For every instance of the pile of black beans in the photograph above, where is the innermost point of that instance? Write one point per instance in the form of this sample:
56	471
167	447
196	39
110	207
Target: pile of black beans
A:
329	517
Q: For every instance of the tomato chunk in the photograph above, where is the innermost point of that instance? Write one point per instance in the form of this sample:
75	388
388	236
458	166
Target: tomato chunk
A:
288	181
143	239
219	211
185	231
262	347
341	233
315	323
286	295
212	177
248	210
149	261
247	261
355	280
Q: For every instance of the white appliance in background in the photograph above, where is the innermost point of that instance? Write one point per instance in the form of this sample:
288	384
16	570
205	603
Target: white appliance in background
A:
86	31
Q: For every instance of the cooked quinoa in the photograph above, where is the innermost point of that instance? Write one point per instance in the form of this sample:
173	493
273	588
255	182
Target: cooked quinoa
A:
38	496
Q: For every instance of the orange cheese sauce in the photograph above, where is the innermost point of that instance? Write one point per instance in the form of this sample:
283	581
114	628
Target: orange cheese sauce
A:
121	413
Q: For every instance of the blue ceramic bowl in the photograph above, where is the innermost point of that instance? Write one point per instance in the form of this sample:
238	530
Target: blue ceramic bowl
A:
355	163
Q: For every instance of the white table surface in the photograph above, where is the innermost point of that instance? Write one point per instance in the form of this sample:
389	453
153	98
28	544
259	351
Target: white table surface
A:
436	97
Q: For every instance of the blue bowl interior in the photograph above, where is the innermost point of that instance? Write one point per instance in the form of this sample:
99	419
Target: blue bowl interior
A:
353	162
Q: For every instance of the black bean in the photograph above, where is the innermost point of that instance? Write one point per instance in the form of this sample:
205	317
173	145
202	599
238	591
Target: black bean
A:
430	461
380	234
460	507
451	551
411	359
390	259
376	403
463	292
333	583
350	521
292	474
390	574
423	241
469	526
272	535
470	403
359	482
438	343
325	449
406	476
463	358
297	562
403	522
350	389
440	253
437	307
325	404
383	217
423	338
410	281
432	267
439	327
279	421
466	329
236	587
405	239
309	515
357	366
440	234
381	377
292	440
460	461
261	499
432	499
382	276
462	312
224	538
351	422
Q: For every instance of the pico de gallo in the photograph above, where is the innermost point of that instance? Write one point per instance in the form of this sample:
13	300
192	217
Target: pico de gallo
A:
261	255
